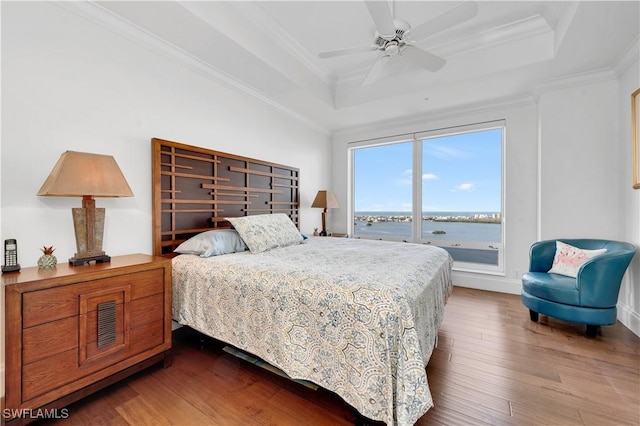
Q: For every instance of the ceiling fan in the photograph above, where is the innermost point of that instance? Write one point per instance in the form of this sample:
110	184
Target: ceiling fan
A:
395	39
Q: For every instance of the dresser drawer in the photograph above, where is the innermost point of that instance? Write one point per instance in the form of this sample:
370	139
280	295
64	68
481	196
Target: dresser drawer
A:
61	302
47	340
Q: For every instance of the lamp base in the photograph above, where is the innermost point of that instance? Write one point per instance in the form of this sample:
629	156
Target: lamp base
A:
79	261
323	233
88	222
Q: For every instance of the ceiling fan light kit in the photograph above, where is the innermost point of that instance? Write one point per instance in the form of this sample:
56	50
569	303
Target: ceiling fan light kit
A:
395	39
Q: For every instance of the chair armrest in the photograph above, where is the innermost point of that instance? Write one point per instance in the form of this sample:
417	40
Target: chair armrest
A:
599	278
541	255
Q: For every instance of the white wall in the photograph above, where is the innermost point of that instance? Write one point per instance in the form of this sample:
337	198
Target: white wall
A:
629	212
579	159
69	84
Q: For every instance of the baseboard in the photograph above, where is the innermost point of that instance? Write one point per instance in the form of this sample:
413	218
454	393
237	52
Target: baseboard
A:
487	282
629	318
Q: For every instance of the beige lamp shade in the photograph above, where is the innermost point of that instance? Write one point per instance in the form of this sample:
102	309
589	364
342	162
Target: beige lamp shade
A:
78	174
326	200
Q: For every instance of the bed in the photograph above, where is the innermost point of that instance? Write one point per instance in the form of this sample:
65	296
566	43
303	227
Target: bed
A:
357	317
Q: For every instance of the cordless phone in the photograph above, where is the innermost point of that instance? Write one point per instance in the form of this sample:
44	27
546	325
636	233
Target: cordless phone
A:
10	256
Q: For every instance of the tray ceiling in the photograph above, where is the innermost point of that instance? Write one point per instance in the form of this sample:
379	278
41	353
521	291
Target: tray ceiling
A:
270	50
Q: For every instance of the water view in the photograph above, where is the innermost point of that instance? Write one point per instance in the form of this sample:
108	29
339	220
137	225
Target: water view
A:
484	227
458	226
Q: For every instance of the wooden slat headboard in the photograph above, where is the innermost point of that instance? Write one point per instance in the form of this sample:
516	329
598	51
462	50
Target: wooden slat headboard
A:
195	189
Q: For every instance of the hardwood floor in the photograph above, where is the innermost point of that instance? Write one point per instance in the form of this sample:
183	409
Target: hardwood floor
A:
492	366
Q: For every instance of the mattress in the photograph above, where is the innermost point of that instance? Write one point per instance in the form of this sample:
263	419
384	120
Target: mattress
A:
357	317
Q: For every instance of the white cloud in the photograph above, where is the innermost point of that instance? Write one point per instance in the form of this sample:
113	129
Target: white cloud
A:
406	178
464	187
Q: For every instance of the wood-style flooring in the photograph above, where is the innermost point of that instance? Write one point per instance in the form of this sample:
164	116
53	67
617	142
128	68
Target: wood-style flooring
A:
492	366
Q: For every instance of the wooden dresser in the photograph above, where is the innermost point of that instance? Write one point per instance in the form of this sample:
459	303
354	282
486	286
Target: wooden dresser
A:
73	330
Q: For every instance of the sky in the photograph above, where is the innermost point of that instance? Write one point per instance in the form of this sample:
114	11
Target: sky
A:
459	173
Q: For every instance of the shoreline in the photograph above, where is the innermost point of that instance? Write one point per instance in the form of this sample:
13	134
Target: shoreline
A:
476	218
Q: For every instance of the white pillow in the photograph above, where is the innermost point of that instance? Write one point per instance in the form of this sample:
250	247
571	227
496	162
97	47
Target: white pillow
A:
569	258
266	231
213	243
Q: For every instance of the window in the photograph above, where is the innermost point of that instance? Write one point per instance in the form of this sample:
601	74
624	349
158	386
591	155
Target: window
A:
441	187
384	192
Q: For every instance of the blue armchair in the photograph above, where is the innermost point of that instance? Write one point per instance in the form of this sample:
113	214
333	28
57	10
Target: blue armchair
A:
591	297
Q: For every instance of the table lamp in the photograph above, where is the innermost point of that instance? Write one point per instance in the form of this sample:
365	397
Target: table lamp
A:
81	174
326	200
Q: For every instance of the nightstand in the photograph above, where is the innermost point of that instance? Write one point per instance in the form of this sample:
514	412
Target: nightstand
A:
71	331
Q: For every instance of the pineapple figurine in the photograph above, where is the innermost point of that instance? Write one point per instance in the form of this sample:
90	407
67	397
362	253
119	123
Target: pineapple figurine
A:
47	260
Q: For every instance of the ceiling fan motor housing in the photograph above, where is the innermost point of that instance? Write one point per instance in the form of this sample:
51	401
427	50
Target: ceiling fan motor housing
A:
401	28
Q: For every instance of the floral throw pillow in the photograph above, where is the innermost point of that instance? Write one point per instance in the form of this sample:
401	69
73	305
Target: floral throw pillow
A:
267	231
569	258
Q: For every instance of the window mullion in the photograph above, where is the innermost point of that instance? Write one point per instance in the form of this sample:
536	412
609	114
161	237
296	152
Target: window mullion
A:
416	228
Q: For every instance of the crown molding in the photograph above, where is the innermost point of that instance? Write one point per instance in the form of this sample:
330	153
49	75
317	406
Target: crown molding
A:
444	114
575	80
528	27
627	58
256	13
102	16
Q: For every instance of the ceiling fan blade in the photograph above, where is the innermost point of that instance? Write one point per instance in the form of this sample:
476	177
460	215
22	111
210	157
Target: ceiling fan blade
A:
452	17
345	51
376	70
422	59
379	11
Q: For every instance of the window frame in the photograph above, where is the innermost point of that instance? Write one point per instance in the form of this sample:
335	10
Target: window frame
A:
416	229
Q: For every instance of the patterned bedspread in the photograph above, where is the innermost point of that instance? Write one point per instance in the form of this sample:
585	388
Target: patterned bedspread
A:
357	317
